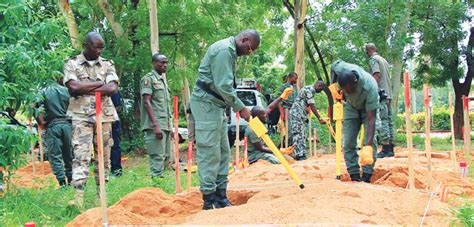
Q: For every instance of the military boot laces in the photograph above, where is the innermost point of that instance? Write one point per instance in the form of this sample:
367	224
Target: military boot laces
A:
210	202
221	198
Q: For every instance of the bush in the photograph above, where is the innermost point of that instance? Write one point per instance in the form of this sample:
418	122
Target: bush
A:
440	120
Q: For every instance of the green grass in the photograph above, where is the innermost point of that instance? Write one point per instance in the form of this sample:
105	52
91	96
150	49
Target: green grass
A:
464	214
49	206
442	144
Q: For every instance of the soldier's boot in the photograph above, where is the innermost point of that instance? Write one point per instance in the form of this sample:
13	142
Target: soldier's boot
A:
69	180
385	151
62	183
355	177
221	198
391	152
210	202
366	177
78	200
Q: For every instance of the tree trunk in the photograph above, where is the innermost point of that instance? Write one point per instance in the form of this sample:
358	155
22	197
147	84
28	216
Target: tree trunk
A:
398	61
154	38
115	25
300	13
71	23
464	88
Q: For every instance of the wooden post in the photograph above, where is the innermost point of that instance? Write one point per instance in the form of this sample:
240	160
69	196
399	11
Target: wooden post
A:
309	134
40	142
154	36
282	112
426	101
246	155
100	156
176	145
286	127
190	163
467	133
453	139
300	14
411	171
32	148
315	141
186	95
237	139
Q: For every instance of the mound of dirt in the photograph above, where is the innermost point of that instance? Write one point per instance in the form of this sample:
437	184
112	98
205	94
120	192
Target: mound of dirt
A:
265	194
23	177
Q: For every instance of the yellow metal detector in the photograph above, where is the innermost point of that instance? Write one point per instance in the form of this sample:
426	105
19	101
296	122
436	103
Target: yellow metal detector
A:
257	126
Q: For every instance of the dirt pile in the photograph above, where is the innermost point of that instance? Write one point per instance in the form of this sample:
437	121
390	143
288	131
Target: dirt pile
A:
23	177
265	194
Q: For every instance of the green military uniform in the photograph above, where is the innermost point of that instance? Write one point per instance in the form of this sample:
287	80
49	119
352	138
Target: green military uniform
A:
159	151
378	64
216	71
82	111
254	154
364	99
59	131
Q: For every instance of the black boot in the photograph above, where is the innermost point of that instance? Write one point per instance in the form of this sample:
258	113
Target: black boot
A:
62	183
366	177
385	151
210	202
69	180
391	152
355	177
221	198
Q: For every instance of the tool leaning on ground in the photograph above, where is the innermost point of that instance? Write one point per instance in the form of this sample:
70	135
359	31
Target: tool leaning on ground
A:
259	129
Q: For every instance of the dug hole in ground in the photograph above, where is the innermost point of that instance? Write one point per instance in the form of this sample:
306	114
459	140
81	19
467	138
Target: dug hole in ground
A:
265	194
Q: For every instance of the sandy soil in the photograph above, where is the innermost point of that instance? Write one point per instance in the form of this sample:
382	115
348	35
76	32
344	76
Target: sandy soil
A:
264	194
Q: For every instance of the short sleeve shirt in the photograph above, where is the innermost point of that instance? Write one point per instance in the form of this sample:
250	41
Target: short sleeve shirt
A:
303	100
291	99
82	107
156	86
251	139
378	64
56	102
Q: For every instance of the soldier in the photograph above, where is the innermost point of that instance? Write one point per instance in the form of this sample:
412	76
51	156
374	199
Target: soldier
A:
255	147
379	69
84	75
214	91
291	80
361	102
299	117
155	116
58	131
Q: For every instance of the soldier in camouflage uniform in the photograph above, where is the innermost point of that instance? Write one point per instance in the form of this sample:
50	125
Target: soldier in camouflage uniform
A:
155	116
84	75
299	117
289	81
379	69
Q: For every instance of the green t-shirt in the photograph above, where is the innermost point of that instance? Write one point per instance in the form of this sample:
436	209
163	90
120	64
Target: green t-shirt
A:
156	86
251	139
378	64
291	99
366	97
56	102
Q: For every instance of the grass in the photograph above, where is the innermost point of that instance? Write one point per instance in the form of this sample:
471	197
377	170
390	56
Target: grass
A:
463	215
49	206
442	144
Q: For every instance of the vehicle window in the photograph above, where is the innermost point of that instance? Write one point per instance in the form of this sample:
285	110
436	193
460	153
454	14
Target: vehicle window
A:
264	103
248	98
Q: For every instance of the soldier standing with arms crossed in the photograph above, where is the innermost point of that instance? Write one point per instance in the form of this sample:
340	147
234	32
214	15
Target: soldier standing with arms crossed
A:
214	91
84	75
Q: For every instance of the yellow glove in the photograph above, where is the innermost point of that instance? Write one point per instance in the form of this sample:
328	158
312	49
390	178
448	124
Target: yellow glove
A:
366	156
287	150
287	92
334	88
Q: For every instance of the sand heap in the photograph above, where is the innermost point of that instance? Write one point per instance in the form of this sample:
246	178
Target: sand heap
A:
264	194
23	177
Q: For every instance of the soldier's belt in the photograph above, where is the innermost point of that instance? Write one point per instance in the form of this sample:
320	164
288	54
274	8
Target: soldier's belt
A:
201	84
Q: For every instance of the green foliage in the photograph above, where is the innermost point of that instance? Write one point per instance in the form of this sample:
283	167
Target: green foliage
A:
463	214
440	120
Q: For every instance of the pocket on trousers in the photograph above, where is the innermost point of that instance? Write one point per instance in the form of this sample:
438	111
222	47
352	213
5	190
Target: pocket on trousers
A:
206	133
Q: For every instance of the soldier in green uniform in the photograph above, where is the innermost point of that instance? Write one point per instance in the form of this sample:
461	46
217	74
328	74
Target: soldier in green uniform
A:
379	68
255	148
214	91
360	107
155	116
58	130
84	75
290	81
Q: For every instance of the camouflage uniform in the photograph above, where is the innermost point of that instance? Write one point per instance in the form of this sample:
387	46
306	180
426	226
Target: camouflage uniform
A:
299	119
82	110
378	64
288	103
255	155
160	151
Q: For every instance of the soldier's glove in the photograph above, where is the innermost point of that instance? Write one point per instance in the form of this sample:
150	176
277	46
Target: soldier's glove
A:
287	150
335	92
281	127
366	156
286	93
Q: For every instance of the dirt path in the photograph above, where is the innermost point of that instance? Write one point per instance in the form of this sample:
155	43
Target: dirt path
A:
264	194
